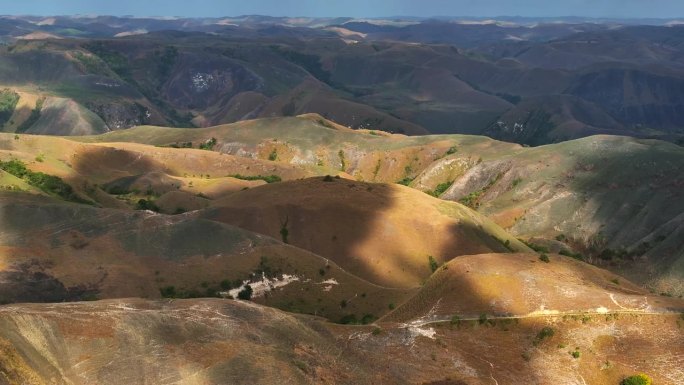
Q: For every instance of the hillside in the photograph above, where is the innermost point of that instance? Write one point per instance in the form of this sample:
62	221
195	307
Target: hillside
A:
522	285
53	252
371	230
248	204
562	196
214	341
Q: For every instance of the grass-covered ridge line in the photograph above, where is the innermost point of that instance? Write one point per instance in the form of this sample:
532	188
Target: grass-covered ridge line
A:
48	183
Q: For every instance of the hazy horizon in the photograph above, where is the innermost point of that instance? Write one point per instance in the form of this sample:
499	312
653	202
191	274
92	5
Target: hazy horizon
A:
602	9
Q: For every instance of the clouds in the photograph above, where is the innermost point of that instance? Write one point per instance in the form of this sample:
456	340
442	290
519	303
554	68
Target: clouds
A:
354	8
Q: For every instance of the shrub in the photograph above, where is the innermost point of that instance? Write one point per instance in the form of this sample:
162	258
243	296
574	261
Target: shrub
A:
208	145
455	320
246	293
406	181
327	178
575	354
391	306
535	247
570	254
284	232
349	319
451	150
433	263
273	156
343	162
440	189
471	200
8	102
483	319
544	258
145	204
546	332
168	292
639	379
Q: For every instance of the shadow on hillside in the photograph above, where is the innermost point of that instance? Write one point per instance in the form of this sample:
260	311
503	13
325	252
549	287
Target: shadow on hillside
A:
367	229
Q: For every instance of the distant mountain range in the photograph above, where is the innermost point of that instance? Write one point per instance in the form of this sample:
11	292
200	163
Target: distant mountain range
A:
532	81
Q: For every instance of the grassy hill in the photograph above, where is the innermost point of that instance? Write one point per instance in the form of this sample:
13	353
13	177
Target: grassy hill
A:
387	234
614	201
523	285
53	252
350	243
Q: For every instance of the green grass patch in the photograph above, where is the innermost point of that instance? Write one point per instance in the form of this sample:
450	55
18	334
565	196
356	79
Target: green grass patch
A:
433	263
265	178
545	333
406	181
472	200
639	379
8	102
570	254
48	183
440	189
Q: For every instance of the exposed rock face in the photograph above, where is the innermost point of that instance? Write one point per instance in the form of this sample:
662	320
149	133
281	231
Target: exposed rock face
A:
120	115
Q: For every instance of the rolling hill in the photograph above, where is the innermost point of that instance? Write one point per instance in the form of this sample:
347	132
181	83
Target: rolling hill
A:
616	201
371	230
347	275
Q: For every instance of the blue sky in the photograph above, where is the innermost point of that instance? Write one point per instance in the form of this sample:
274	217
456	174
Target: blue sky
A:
353	8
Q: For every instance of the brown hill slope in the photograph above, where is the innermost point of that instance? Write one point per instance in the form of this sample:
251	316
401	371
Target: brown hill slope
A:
383	233
521	285
52	251
218	341
615	200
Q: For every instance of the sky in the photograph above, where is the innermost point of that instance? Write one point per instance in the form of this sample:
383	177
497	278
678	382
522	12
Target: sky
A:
350	8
